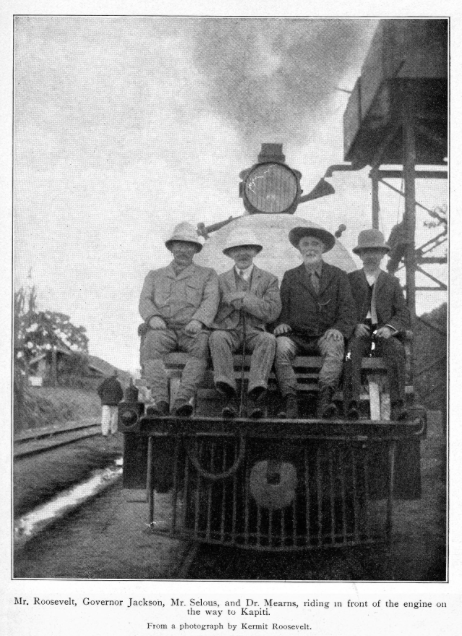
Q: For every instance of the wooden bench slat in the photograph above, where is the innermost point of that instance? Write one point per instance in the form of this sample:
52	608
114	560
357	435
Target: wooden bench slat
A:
178	360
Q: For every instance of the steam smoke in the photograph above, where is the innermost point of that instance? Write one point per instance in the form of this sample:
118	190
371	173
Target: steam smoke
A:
267	75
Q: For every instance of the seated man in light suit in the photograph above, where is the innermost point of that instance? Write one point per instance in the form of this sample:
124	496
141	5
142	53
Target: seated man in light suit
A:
380	310
178	304
249	300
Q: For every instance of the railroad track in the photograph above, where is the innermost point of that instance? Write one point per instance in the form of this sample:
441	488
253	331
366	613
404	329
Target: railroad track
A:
44	439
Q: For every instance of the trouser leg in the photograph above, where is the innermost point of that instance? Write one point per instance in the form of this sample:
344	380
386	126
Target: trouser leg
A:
105	419
286	350
196	365
332	352
222	345
263	347
394	355
114	413
358	348
156	345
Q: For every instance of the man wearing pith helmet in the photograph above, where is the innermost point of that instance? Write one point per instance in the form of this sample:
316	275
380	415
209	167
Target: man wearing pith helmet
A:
249	300
178	304
380	310
317	316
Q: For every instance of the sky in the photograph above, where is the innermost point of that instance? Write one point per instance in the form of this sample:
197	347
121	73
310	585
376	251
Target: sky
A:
125	126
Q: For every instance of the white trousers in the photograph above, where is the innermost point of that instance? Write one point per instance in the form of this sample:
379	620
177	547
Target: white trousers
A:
109	420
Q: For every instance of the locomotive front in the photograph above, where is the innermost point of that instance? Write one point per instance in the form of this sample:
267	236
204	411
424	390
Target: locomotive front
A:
272	484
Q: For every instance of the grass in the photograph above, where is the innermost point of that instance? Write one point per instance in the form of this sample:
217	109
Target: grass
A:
54	406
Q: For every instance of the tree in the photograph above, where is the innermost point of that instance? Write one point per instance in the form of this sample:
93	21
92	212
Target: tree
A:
41	331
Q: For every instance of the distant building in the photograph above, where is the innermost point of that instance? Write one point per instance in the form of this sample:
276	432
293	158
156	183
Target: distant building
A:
72	369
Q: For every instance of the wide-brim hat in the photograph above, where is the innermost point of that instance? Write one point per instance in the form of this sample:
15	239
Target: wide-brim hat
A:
297	233
240	237
371	239
186	233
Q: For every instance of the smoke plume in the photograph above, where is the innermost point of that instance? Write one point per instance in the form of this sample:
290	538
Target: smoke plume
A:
266	76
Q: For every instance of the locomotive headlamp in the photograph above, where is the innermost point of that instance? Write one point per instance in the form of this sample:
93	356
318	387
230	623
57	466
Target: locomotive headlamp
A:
270	186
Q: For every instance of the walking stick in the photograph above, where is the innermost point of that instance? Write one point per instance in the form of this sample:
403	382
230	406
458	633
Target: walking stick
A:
241	401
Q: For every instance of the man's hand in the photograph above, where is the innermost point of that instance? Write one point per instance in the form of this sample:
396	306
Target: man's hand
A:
362	331
333	334
230	298
157	322
384	332
282	329
193	327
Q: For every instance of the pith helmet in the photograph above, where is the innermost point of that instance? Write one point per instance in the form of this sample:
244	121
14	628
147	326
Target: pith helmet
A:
184	232
371	239
297	233
240	237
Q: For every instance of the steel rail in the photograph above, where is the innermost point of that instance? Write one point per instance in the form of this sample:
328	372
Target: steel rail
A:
44	444
47	432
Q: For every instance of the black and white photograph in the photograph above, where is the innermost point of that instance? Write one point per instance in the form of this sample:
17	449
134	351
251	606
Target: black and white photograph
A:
229	271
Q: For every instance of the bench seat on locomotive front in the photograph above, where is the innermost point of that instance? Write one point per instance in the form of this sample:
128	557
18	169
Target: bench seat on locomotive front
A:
375	400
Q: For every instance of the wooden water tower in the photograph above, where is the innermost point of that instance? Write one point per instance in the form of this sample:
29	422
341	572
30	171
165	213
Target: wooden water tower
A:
397	115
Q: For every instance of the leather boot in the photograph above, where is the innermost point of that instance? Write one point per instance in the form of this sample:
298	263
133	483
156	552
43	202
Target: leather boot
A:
256	403
326	407
289	408
231	408
353	410
398	411
182	408
158	409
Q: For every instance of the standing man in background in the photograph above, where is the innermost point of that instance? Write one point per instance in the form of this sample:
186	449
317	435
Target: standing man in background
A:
110	391
178	304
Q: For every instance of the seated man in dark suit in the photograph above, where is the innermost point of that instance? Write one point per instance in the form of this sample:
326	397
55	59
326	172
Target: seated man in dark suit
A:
317	315
382	312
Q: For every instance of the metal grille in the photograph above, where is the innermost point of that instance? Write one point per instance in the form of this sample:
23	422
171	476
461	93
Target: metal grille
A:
313	494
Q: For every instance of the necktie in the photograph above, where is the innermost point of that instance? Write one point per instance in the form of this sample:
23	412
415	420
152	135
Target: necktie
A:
243	281
315	281
374	318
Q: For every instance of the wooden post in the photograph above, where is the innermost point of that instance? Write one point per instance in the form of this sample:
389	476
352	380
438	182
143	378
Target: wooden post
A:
409	218
409	161
54	366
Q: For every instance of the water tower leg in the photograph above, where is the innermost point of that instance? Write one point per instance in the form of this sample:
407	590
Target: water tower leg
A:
409	161
375	197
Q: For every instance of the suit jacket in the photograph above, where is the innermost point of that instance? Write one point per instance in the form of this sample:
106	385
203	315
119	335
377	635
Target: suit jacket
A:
110	391
312	314
390	304
192	295
262	303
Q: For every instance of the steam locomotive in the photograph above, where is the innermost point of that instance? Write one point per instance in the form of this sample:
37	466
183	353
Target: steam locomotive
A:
272	484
